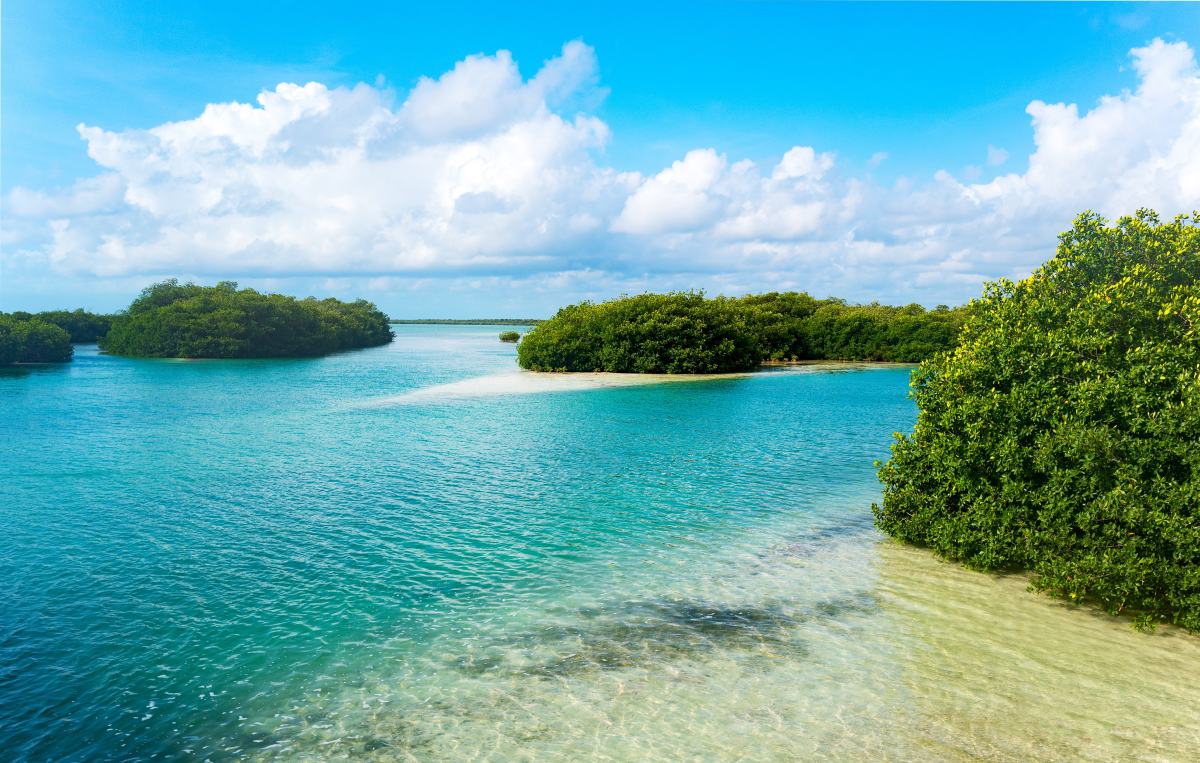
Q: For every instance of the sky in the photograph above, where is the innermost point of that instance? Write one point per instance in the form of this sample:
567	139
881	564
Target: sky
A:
470	159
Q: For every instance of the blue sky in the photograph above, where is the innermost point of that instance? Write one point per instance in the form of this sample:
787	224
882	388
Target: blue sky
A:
931	86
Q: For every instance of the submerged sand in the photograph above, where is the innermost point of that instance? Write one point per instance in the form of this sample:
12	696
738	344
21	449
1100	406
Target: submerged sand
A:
534	382
537	382
775	646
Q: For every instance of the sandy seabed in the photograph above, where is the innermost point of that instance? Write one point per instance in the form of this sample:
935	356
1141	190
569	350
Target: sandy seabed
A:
536	382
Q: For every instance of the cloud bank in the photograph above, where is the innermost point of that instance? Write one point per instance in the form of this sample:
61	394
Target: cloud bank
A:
482	177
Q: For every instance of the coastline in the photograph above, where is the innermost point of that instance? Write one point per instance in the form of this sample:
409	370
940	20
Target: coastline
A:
521	382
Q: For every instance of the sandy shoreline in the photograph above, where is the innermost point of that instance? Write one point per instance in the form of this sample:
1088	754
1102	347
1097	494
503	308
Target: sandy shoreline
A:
519	382
534	382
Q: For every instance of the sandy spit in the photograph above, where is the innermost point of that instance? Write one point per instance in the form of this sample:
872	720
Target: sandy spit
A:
534	382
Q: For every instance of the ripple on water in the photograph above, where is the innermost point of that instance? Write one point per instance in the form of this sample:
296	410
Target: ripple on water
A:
238	562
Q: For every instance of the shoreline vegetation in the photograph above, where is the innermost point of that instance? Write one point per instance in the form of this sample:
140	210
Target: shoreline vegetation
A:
687	333
26	338
47	337
1059	438
174	320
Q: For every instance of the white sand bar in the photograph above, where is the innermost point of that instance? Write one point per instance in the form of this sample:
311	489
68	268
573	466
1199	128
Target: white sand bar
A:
533	382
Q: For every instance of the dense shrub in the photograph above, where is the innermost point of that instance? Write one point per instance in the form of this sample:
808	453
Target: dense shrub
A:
509	336
687	333
1062	435
82	326
32	340
174	320
650	333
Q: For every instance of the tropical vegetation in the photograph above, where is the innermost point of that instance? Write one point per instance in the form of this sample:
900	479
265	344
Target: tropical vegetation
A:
32	340
1062	435
509	336
686	332
174	320
84	327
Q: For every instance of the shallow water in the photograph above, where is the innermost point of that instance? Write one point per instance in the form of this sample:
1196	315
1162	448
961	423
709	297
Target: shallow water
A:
271	560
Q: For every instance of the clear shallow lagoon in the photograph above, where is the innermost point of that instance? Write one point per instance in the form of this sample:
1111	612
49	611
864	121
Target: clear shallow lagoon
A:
323	559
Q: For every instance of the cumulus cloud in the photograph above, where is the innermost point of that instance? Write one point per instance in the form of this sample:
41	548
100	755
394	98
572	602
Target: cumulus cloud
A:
482	174
474	169
680	198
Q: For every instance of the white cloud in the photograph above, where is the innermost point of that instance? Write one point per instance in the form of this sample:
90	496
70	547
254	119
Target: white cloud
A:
1140	148
680	198
87	196
484	176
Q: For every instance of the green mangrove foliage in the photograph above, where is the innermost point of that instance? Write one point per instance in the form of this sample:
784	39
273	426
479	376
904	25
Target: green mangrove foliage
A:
32	340
649	333
174	320
688	333
1062	436
509	336
83	327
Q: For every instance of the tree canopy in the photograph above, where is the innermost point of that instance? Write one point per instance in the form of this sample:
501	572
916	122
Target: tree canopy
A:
1061	435
83	327
688	333
174	320
32	340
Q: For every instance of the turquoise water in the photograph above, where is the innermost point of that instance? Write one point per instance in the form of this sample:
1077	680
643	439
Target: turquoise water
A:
302	560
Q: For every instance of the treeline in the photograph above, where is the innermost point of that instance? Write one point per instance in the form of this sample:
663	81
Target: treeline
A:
686	332
26	338
81	326
1062	434
174	320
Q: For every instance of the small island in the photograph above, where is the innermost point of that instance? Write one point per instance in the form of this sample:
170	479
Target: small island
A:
174	320
509	336
688	333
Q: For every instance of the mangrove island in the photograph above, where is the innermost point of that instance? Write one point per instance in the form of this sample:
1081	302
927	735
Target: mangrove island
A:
174	320
688	333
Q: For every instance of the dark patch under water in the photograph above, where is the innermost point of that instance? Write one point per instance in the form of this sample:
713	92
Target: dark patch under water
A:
639	633
819	538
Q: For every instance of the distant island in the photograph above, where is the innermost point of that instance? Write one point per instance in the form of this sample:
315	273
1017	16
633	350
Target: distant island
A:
689	333
174	320
466	321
